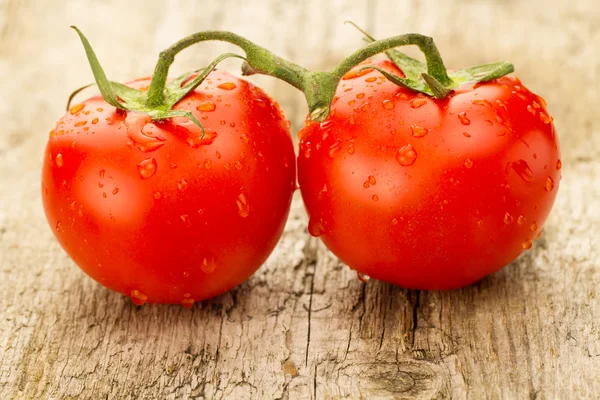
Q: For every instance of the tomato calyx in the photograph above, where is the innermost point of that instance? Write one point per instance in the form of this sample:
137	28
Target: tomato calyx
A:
432	78
157	107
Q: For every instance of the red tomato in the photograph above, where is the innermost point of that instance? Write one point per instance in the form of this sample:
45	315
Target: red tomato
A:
151	210
426	193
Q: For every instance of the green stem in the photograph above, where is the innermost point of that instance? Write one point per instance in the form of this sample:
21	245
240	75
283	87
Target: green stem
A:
435	64
260	59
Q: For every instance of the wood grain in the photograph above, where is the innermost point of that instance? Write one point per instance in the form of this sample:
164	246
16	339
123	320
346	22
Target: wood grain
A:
304	327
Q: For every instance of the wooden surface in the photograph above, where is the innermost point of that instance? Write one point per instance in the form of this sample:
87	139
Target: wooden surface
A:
304	326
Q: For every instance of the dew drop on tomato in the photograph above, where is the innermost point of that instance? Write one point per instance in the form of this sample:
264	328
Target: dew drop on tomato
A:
364	278
468	163
147	168
196	140
406	155
508	219
208	266
522	169
59	160
549	184
227	86
138	297
418	131
242	204
76	108
418	103
558	165
527	244
388	104
334	148
521	220
315	228
182	184
207	106
463	118
533	227
59	226
187	301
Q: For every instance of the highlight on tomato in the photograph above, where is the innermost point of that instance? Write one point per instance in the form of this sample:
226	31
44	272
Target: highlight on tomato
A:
170	191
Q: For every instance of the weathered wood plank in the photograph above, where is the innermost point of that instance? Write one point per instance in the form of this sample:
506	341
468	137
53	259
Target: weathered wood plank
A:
304	326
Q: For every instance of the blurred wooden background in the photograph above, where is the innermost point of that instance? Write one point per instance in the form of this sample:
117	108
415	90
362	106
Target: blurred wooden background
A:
304	326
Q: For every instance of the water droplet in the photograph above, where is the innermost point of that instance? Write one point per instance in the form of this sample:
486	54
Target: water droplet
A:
418	103
466	134
186	274
468	163
334	148
207	106
488	122
72	205
76	108
508	219
375	197
81	123
365	107
360	95
351	149
185	219
463	118
227	86
533	227
138	297
549	184
144	142
59	160
59	226
394	221
182	184
418	131
406	155
207	163
522	169
388	104
546	119
521	220
147	168
238	165
364	278
371	79
187	302
558	164
527	244
208	266
482	102
157	195
115	191
372	180
315	228
535	104
196	140
242	204
531	110
354	73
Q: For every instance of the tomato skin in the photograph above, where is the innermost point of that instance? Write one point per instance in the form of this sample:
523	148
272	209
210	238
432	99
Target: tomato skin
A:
426	193
150	209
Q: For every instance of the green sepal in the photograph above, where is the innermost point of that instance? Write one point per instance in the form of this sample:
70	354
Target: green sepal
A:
174	92
101	80
419	79
127	98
